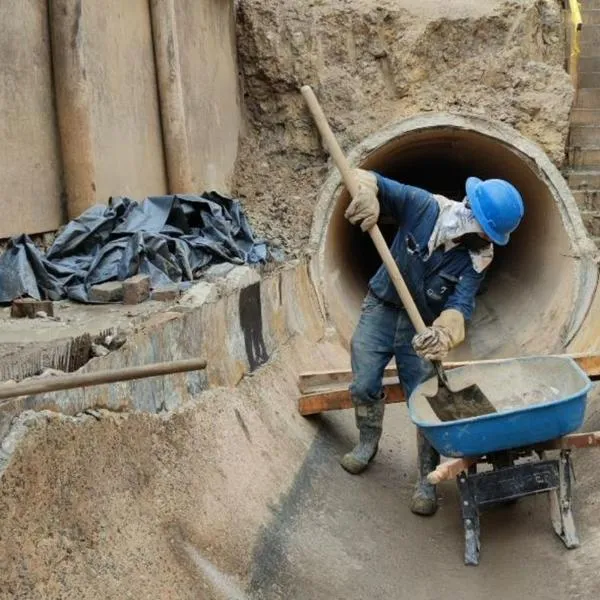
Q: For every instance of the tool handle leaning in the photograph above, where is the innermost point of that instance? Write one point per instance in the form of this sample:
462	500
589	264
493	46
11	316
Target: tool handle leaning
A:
350	182
67	382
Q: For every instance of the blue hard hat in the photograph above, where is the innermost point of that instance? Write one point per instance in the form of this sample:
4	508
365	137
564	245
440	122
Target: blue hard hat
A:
497	206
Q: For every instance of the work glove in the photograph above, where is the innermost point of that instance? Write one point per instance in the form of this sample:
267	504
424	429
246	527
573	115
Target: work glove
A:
364	208
446	332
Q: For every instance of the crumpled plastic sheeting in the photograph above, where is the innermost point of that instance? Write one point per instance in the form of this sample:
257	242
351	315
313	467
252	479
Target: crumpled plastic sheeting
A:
170	238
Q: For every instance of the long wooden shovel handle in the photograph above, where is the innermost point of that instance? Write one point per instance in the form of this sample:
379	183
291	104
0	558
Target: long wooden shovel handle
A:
350	182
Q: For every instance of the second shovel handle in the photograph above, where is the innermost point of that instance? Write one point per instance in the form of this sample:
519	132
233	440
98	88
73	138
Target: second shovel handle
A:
352	184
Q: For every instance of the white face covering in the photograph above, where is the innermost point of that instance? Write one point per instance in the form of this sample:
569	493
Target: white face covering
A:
455	220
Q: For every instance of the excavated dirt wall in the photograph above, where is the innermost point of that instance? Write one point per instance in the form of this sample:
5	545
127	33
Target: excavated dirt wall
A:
374	63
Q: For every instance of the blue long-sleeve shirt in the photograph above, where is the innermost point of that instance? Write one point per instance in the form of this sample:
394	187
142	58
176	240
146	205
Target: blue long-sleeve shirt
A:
442	281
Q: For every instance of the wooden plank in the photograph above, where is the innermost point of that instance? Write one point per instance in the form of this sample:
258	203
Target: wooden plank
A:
574	441
316	381
312	382
312	404
327	390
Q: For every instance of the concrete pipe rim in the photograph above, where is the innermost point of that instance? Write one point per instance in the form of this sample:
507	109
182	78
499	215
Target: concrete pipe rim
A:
508	142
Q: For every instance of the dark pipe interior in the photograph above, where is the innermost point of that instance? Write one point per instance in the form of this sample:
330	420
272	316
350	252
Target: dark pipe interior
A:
530	281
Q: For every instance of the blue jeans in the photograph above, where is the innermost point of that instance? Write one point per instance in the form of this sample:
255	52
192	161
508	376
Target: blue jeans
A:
383	331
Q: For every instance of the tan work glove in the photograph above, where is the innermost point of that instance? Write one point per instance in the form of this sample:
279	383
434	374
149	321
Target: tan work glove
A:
446	332
364	208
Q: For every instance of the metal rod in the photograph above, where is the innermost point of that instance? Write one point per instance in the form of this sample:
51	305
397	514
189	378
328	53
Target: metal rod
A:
67	382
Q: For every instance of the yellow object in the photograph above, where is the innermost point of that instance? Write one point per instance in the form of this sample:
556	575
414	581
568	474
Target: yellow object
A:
454	322
577	23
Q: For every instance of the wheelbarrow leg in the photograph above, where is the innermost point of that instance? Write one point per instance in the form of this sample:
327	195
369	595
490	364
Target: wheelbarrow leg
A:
560	503
470	516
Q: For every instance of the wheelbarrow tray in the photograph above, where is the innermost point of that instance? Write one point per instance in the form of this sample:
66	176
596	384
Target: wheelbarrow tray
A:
537	399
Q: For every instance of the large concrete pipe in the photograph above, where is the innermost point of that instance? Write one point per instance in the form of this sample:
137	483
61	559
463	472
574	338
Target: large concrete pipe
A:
540	287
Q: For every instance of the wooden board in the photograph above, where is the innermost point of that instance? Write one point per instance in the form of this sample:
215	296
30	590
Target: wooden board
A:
338	399
317	381
327	390
575	440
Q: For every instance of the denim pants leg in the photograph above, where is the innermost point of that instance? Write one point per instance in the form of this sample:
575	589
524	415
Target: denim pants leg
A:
412	369
371	349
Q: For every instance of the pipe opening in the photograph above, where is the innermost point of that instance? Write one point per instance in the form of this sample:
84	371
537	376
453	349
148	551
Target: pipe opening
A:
532	290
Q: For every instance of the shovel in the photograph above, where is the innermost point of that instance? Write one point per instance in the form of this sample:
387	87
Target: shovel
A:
448	404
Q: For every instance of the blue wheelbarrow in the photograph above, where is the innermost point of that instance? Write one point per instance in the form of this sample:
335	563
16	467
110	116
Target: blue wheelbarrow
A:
539	401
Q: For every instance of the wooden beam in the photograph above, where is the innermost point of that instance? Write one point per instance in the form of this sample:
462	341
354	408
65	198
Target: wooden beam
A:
574	440
318	381
315	381
327	390
338	399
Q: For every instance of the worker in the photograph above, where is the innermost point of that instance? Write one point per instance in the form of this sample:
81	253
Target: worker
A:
443	249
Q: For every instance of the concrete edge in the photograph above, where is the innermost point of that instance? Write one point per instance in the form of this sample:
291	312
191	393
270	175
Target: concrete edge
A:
237	323
581	244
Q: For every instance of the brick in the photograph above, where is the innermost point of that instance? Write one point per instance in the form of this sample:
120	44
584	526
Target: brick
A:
589	80
591	219
584	180
585	136
590	34
585	116
589	49
588	98
584	157
111	291
589	64
588	200
28	307
166	293
136	289
590	17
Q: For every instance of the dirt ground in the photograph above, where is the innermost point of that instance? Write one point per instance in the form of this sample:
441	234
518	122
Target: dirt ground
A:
372	63
188	505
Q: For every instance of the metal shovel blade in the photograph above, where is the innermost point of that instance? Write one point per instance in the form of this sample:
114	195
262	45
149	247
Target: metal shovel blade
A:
451	405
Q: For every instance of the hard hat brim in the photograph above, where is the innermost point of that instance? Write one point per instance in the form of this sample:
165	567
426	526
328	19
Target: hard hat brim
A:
473	187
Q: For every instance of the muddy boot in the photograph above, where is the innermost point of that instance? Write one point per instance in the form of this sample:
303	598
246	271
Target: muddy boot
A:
424	500
369	420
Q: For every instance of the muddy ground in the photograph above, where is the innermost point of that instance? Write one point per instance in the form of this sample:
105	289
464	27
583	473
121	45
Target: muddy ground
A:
372	63
188	505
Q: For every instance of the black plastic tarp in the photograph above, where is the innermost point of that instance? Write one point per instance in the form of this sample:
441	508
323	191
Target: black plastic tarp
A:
170	238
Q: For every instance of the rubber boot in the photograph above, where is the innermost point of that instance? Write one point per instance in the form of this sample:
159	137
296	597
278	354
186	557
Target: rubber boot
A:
424	500
369	420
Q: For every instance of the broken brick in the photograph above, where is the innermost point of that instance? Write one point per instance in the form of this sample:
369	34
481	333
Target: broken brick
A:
166	293
28	307
111	291
136	289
